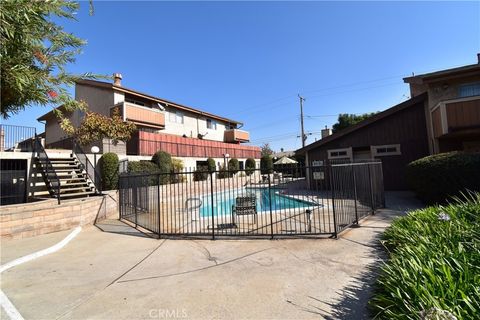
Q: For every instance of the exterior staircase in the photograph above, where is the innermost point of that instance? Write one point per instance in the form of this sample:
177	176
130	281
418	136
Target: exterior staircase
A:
63	178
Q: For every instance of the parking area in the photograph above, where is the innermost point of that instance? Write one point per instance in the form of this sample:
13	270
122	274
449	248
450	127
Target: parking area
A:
113	271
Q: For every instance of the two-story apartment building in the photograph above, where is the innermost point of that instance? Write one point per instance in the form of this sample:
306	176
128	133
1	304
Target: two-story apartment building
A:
443	114
185	132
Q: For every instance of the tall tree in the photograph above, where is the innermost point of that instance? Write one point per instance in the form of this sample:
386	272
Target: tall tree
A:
34	53
346	120
266	150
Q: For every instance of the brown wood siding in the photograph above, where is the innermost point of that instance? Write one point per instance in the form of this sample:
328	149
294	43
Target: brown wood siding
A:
144	116
437	123
235	135
406	127
463	114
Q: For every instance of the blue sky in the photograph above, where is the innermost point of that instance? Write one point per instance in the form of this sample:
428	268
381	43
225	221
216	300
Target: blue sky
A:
249	60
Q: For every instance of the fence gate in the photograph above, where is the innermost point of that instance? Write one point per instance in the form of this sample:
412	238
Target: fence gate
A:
295	201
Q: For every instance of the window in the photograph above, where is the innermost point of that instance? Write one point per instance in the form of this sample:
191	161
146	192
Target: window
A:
340	153
469	90
386	150
211	124
175	117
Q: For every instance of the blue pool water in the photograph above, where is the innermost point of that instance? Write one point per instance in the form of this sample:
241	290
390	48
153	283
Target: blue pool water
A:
223	201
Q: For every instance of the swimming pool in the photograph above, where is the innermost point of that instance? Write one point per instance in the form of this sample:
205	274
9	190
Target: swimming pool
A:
223	201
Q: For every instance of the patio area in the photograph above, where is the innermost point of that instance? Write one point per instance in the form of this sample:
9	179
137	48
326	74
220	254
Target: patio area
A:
115	271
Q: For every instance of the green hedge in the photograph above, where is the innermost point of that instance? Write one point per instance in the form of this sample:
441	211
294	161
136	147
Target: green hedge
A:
266	164
434	263
142	167
437	178
250	166
109	170
201	173
164	162
212	166
146	167
233	166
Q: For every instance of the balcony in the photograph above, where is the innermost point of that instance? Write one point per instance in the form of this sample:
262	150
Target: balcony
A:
235	135
456	117
141	115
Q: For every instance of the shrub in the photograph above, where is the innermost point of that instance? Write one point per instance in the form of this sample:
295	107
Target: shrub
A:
233	166
142	167
201	173
250	166
177	166
223	173
434	259
146	167
212	166
436	178
163	160
109	170
266	164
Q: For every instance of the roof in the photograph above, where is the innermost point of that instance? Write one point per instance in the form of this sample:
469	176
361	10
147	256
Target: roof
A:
50	113
108	85
379	116
472	69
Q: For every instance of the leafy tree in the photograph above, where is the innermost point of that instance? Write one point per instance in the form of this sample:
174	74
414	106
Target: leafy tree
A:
250	166
211	165
346	120
233	165
266	164
95	127
34	52
266	150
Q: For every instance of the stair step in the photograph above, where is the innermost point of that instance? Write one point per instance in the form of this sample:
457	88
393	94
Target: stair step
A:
79	194
62	191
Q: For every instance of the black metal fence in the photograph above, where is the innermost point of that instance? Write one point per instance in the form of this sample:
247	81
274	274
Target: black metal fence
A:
16	137
13	181
93	171
308	201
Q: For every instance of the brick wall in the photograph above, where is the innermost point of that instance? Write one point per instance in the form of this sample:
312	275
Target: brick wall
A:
36	218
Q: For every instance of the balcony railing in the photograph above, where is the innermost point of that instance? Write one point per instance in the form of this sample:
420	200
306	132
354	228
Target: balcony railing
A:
235	135
456	115
146	144
144	116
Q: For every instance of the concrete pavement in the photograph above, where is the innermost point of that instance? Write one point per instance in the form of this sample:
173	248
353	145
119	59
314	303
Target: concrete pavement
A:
121	274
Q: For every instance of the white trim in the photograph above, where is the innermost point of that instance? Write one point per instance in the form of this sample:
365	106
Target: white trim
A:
6	304
375	153
348	154
443	118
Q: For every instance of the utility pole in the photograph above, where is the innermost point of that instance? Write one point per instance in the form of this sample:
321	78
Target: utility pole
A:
303	136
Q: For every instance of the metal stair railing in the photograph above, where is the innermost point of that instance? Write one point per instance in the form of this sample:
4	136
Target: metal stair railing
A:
48	172
91	170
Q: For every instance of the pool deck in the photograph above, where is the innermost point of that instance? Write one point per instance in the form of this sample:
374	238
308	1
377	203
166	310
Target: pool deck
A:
112	271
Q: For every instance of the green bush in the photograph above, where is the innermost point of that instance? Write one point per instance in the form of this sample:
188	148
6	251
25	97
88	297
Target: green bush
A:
142	167
250	166
201	173
266	164
163	160
177	166
233	166
223	173
109	170
437	178
146	167
211	165
434	263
